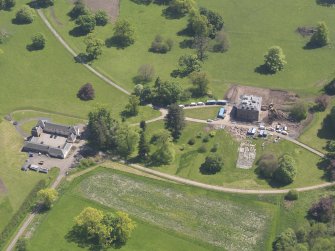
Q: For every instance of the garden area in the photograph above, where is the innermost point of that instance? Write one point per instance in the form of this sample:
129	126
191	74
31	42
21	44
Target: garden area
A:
189	158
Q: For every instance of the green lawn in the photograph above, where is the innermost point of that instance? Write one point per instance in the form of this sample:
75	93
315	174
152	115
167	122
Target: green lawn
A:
15	185
188	161
319	131
182	220
250	38
48	80
202	113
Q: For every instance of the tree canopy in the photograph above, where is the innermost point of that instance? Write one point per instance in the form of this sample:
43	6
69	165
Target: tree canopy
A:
47	197
25	15
175	120
212	165
321	36
38	41
86	92
189	64
287	171
93	47
165	152
275	59
124	33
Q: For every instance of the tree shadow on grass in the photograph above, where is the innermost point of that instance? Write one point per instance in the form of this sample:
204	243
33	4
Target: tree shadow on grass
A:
31	47
327	3
186	44
75	235
263	70
83	58
77	32
169	13
114	42
326	131
311	46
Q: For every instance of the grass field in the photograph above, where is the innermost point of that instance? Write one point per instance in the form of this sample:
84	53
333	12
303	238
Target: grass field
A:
161	210
15	185
49	79
319	131
250	38
202	113
188	161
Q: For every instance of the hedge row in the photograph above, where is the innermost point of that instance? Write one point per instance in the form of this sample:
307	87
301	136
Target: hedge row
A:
25	208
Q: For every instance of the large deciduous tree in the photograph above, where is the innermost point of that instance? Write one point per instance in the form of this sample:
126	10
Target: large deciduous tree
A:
180	8
124	33
7	4
322	210
86	92
101	18
165	92
126	141
132	106
274	59
93	47
86	23
189	64
143	146
287	170
47	197
213	164
102	129
200	81
38	41
165	152
285	241
25	15
175	120
321	36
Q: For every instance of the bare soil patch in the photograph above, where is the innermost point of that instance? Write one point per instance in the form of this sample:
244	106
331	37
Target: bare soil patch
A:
112	7
279	98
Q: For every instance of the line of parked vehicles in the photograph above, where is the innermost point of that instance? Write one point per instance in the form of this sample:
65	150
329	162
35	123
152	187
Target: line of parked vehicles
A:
37	168
208	102
263	132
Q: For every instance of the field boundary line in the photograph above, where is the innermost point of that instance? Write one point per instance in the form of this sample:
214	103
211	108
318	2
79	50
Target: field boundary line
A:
74	54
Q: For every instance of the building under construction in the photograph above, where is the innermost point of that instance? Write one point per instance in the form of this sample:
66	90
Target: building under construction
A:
248	109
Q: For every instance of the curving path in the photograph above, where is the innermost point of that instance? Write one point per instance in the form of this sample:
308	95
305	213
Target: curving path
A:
74	54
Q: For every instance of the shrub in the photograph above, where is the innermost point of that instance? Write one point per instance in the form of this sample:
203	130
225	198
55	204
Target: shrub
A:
215	147
298	112
199	135
86	92
145	73
274	59
212	134
202	149
7	4
212	165
45	3
267	165
287	171
21	245
25	15
205	139
321	103
191	141
78	9
322	210
285	241
86	23
159	45
182	147
222	43
124	33
302	234
38	41
101	18
321	37
292	195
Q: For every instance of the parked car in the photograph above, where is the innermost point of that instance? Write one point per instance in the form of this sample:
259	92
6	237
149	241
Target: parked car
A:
200	103
209	120
181	106
31	154
284	133
193	104
41	162
43	170
15	123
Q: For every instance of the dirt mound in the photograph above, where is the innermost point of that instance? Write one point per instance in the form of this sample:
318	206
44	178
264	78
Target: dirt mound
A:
278	97
306	31
112	7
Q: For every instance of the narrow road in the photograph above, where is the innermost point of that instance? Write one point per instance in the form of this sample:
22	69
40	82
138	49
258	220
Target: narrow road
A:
225	189
32	215
74	54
